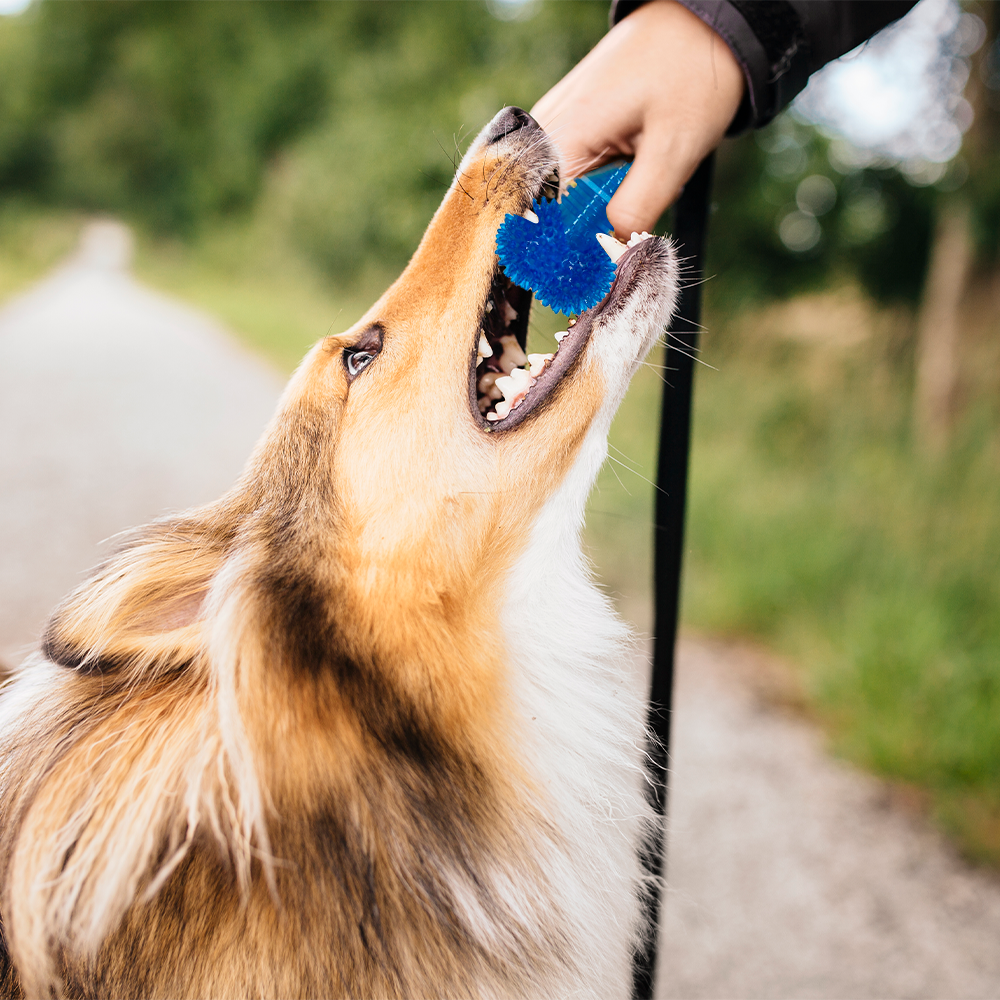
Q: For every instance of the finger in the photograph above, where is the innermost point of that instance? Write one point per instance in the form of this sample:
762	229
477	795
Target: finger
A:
650	187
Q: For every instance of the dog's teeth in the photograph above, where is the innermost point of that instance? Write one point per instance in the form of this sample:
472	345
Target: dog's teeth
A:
550	186
612	247
487	385
489	307
537	363
502	409
484	403
509	313
560	335
514	387
517	382
492	417
530	216
522	379
572	322
512	356
638	238
484	350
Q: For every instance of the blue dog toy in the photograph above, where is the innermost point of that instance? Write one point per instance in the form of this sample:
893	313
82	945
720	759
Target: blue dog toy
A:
558	257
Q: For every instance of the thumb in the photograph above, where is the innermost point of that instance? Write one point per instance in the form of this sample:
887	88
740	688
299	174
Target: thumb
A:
649	188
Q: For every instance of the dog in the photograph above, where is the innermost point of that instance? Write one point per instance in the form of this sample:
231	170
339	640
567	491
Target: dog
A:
363	727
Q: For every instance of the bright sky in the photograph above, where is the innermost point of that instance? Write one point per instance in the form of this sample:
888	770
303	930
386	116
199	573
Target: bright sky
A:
900	95
13	6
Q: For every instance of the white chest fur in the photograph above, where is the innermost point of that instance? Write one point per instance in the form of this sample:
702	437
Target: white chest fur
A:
573	663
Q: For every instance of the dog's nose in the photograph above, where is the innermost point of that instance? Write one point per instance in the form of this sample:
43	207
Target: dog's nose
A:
507	121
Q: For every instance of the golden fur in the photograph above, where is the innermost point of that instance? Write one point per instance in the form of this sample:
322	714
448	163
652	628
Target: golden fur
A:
271	747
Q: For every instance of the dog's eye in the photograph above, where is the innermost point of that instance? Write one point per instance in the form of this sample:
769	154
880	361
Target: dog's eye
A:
363	351
357	361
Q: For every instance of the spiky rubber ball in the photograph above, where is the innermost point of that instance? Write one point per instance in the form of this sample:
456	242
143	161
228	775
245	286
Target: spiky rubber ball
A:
567	271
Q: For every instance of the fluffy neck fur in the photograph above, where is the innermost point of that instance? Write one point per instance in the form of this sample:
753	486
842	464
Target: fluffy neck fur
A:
147	779
574	661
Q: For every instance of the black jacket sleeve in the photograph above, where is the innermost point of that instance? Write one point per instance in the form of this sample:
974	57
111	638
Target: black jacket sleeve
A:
779	43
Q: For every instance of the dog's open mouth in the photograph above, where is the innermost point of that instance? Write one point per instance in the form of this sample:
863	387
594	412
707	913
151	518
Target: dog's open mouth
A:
507	384
504	374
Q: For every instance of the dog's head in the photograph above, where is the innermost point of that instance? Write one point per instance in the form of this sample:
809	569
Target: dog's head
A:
389	499
405	418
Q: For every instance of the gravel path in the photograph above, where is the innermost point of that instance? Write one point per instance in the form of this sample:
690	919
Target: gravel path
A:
790	874
117	404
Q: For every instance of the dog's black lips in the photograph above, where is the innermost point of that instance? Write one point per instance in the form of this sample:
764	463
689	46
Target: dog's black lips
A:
570	349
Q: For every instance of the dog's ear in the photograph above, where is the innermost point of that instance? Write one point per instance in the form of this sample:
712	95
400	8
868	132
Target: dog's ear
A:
139	612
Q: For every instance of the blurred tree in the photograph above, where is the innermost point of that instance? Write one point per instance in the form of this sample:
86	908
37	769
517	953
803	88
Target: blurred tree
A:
936	372
175	113
164	111
791	216
964	260
798	210
339	124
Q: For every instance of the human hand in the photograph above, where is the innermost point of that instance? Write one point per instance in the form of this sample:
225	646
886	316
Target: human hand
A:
661	87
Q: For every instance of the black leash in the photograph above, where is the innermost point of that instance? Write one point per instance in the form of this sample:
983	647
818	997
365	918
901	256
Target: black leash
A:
690	223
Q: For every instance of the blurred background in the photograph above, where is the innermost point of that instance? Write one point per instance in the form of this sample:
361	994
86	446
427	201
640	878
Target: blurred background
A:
278	162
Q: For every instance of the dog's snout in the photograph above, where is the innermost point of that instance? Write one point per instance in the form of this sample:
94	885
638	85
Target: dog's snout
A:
507	121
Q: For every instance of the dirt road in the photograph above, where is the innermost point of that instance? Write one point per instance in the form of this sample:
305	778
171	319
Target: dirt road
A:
117	404
791	876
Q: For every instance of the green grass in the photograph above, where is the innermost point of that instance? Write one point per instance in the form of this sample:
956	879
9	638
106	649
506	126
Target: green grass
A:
249	278
814	527
32	241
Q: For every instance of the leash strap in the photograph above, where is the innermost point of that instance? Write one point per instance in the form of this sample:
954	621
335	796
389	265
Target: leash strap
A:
690	223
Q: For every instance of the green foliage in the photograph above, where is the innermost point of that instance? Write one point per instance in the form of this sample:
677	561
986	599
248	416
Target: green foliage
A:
345	117
338	124
161	111
865	225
